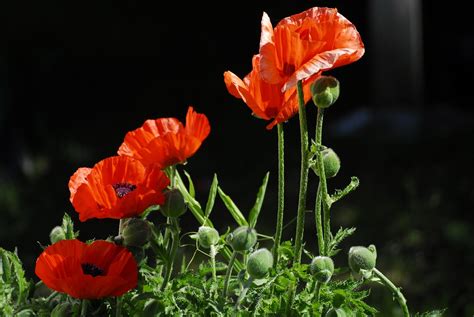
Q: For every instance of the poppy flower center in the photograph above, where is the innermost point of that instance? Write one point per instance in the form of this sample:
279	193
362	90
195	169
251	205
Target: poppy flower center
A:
122	189
288	69
91	269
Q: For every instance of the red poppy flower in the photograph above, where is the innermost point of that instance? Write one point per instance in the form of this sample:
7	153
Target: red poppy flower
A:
166	141
266	100
305	44
93	271
116	187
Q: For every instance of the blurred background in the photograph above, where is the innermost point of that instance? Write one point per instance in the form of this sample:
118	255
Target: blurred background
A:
76	76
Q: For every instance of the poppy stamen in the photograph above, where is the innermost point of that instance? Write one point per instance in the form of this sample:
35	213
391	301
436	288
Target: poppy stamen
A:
122	189
91	269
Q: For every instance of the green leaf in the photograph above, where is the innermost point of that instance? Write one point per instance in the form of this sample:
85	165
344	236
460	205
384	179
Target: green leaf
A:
212	196
191	190
233	209
340	235
68	227
13	277
255	211
192	203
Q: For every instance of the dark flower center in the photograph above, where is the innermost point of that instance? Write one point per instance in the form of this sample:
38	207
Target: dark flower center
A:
122	189
91	269
288	69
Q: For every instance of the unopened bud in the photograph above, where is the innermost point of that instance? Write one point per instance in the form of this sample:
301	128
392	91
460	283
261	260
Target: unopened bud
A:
242	239
325	91
136	232
332	163
322	267
207	236
259	263
152	308
57	234
174	205
362	258
62	310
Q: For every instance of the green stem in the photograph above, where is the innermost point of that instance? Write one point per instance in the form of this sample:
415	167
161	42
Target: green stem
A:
303	175
395	290
118	308
349	188
213	263
243	292
322	181
281	192
84	305
228	273
319	223
317	290
174	247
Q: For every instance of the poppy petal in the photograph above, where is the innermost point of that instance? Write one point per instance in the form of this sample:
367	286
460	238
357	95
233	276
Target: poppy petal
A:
197	125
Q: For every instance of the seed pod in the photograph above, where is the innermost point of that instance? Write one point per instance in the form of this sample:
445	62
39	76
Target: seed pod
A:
362	258
242	239
259	263
174	205
322	267
325	91
207	236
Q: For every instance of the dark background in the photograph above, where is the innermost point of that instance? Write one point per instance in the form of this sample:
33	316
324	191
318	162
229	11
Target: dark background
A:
76	76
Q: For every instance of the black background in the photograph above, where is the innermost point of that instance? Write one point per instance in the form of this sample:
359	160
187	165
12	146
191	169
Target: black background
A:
76	76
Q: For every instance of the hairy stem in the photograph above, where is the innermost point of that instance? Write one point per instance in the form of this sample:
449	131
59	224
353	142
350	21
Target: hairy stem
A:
84	305
395	290
281	192
303	175
213	263
174	247
228	273
319	223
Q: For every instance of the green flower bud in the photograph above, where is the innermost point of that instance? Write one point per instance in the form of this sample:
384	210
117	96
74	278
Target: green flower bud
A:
57	234
242	239
62	310
27	313
336	312
331	162
259	263
322	267
362	258
207	236
136	232
152	308
325	91
174	205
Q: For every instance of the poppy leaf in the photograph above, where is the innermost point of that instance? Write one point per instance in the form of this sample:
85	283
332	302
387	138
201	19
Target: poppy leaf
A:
255	211
212	196
191	190
233	209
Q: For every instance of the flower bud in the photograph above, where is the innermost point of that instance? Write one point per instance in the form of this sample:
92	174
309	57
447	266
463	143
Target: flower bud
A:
322	267
325	91
259	263
57	234
242	239
207	236
362	258
62	310
336	312
174	205
152	308
136	232
331	162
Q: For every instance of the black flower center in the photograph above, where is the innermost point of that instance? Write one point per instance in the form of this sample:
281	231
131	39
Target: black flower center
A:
122	189
91	269
288	69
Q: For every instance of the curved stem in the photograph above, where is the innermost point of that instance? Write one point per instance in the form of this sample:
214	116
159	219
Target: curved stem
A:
303	175
118	309
319	223
323	190
395	290
228	273
174	248
281	192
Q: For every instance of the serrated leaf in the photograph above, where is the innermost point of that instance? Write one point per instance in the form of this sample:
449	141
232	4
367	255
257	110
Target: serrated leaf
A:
232	207
212	196
341	234
191	190
255	211
68	227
